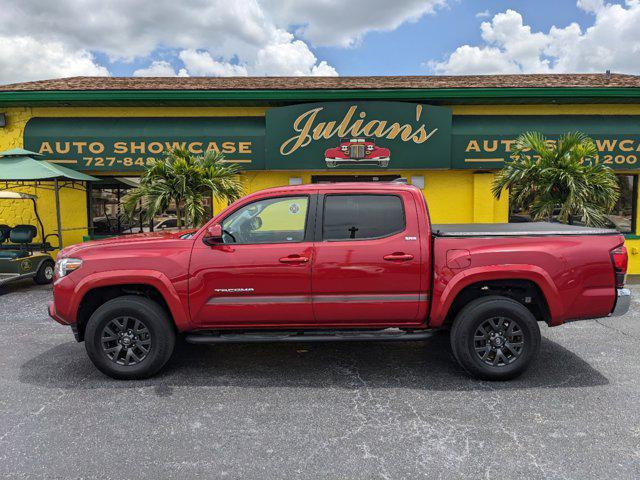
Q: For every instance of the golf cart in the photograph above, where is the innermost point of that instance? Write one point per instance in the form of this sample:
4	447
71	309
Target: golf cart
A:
20	257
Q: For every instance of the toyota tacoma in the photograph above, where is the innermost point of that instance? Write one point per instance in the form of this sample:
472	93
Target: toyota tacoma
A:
337	262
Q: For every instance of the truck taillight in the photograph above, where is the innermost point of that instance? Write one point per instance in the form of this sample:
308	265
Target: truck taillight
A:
620	260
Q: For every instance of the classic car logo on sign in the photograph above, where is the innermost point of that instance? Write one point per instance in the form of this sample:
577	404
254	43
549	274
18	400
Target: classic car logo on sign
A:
357	151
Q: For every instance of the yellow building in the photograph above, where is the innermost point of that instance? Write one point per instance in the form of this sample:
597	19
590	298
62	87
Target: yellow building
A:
448	135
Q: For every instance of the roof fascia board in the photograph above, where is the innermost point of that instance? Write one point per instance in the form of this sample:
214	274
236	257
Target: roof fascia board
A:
102	96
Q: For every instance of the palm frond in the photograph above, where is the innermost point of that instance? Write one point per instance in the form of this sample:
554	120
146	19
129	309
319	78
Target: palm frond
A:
550	179
184	179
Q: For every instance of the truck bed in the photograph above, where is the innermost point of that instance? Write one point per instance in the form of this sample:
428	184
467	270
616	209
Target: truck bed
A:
529	229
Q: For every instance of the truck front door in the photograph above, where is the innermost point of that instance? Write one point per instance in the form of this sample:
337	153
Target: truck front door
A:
261	275
367	268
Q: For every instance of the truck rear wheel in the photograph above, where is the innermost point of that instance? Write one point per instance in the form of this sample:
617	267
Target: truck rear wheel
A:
495	338
129	337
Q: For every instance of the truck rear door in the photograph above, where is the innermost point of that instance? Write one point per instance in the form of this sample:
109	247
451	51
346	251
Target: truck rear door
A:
367	268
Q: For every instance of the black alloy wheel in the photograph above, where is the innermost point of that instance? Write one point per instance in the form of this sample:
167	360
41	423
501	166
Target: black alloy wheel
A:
499	341
126	341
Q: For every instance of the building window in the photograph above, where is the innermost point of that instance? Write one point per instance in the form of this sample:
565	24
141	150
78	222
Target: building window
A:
106	212
623	215
621	218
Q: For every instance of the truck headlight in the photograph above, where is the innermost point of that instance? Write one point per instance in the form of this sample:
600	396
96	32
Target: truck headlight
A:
65	266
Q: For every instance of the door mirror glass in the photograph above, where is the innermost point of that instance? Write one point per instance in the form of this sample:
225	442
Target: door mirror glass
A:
213	236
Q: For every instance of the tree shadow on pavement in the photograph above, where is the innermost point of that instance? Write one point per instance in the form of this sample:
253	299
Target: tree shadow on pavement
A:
427	365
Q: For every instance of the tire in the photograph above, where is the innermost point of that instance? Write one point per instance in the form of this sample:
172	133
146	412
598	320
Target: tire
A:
44	275
153	332
473	336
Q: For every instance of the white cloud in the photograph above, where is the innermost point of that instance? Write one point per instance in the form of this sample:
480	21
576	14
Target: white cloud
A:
26	59
338	23
202	64
483	14
590	5
475	60
290	57
160	68
209	37
510	46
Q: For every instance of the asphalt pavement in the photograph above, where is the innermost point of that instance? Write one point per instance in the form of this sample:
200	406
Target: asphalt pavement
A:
365	410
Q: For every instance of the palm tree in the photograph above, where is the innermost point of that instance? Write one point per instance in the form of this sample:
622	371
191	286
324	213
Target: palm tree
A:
184	179
547	178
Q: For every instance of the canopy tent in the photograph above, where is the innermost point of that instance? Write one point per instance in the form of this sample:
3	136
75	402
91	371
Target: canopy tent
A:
18	165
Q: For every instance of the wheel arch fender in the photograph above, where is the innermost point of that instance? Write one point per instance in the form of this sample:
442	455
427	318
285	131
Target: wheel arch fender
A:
152	278
465	278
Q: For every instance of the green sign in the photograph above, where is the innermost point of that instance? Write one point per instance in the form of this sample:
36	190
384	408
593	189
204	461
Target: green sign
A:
484	142
130	144
325	136
353	135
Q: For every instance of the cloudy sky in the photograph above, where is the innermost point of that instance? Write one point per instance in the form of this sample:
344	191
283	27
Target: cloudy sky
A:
315	37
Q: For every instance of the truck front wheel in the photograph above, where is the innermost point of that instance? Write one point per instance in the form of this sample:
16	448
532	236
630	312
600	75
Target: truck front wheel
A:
495	338
129	337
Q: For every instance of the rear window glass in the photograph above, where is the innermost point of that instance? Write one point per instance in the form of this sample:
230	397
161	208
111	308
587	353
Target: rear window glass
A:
358	217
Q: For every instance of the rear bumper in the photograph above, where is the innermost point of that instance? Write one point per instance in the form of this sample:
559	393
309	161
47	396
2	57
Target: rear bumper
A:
623	301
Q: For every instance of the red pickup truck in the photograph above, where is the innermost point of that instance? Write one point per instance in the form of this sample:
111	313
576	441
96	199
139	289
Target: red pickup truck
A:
333	262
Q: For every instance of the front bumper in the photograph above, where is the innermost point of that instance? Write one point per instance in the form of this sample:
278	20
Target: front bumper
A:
623	301
54	314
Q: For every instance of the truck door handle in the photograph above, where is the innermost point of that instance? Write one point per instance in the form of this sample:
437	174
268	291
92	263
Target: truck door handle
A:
294	259
398	257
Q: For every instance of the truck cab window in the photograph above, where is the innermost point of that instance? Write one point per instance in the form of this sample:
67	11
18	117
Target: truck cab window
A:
359	217
273	220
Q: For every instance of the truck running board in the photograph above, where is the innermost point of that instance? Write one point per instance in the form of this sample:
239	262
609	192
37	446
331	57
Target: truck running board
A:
387	335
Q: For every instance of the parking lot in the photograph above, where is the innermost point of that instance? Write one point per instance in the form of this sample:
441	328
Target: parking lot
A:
323	410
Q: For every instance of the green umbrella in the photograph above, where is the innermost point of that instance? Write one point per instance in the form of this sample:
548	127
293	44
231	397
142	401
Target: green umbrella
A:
17	164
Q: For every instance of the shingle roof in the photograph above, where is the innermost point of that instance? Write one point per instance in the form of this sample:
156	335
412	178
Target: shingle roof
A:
329	83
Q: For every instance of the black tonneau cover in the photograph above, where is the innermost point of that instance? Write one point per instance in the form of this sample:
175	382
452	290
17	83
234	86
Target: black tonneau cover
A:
529	229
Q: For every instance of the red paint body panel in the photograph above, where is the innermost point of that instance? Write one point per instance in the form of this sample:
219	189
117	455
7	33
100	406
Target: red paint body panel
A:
574	273
343	283
158	260
217	271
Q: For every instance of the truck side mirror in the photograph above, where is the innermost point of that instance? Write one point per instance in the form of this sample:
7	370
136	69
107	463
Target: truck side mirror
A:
213	235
